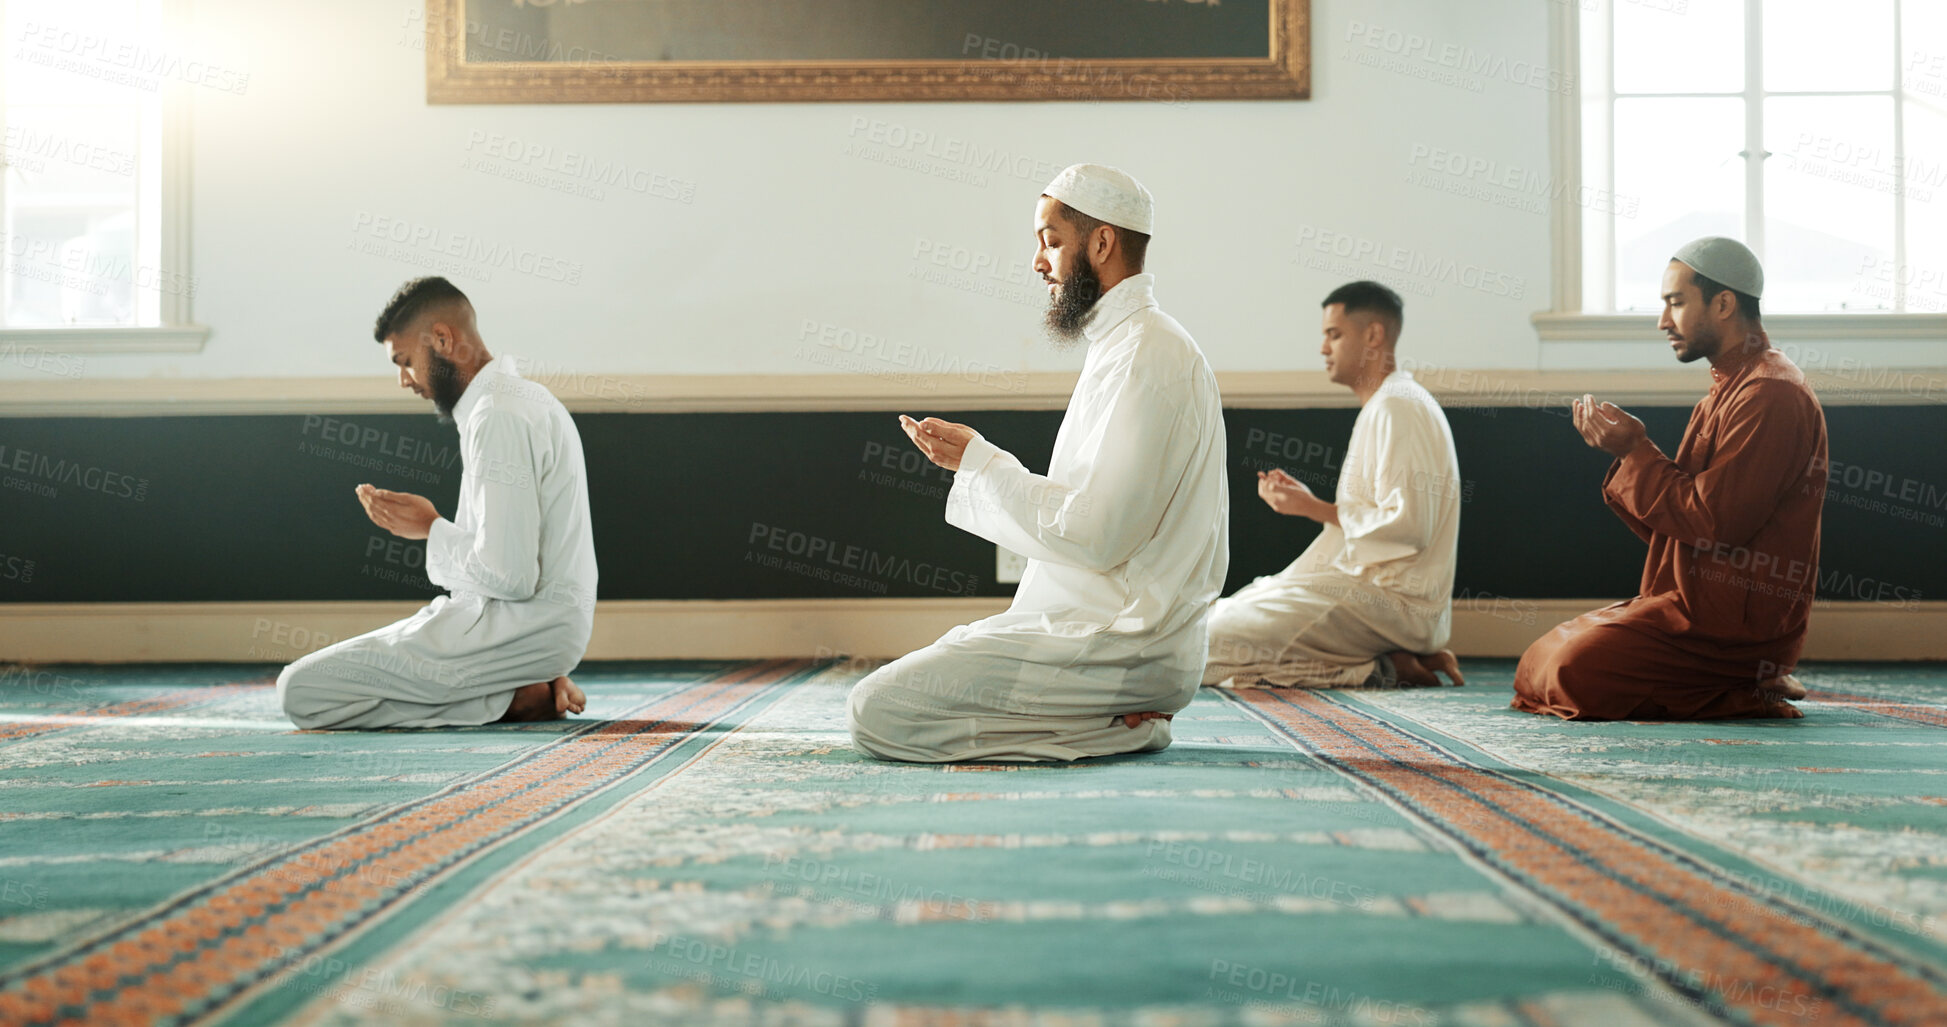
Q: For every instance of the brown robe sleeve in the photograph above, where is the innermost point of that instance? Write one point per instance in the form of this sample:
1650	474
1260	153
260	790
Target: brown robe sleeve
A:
1633	522
1749	470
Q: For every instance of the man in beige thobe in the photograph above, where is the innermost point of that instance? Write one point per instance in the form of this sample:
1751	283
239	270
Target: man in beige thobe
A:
1370	601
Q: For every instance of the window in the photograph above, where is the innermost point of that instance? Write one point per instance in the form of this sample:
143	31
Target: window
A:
86	218
1815	132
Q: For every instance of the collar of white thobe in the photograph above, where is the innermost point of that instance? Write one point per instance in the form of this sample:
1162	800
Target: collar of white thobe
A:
480	386
1129	295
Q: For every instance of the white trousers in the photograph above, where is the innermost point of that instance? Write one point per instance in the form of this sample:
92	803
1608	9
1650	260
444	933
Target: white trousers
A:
951	702
1313	631
456	662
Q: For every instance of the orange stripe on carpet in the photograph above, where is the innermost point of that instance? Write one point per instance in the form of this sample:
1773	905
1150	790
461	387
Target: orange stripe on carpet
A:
15	730
1915	712
1754	957
212	946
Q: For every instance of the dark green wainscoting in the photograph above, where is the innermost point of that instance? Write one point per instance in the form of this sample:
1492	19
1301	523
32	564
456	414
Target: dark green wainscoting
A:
801	505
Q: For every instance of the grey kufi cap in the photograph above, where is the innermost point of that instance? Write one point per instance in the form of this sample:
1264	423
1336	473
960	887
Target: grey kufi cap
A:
1725	260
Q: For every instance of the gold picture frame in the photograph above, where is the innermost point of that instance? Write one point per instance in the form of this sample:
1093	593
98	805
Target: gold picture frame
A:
1283	73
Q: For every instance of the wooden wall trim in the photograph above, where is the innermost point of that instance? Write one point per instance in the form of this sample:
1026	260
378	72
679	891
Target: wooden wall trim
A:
251	632
917	393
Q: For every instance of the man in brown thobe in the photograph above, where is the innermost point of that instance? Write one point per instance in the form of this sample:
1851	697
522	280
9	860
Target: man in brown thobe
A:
1732	525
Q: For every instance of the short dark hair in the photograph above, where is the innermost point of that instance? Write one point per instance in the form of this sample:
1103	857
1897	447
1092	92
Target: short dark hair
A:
413	299
1135	245
1371	297
1747	304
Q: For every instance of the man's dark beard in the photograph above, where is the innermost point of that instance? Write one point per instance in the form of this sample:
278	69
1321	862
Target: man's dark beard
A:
1698	345
1070	304
443	381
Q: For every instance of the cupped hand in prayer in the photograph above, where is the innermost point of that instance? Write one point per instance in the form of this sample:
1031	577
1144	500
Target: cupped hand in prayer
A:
943	442
1286	494
401	513
1607	426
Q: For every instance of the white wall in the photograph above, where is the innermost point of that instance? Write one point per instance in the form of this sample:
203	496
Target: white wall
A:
786	227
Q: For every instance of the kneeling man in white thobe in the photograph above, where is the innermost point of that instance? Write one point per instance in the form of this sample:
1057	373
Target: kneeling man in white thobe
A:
1125	536
518	557
1370	602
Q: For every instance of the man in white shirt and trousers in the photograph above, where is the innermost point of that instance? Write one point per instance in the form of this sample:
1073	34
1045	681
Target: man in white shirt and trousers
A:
518	557
1125	536
1370	602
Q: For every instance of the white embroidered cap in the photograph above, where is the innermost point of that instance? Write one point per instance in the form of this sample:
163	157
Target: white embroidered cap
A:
1105	194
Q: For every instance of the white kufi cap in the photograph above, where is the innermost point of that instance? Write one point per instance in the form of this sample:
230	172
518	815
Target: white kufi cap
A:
1105	194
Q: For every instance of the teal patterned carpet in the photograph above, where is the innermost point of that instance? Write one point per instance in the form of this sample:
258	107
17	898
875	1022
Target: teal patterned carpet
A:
705	847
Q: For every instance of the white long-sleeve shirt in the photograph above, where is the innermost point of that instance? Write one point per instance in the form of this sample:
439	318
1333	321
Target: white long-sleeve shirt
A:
521	533
1127	535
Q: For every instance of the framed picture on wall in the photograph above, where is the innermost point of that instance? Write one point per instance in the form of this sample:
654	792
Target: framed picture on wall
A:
637	51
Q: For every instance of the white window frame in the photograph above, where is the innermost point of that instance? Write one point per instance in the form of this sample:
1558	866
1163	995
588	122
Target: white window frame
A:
1568	322
178	332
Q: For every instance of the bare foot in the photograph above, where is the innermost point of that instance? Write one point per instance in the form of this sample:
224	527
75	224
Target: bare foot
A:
1785	686
1132	719
531	702
567	698
1780	709
1443	662
1413	673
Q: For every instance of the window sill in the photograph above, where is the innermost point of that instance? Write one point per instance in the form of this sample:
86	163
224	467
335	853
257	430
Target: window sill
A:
162	339
1912	327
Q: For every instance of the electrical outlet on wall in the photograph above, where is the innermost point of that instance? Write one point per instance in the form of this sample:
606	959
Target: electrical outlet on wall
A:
1008	566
